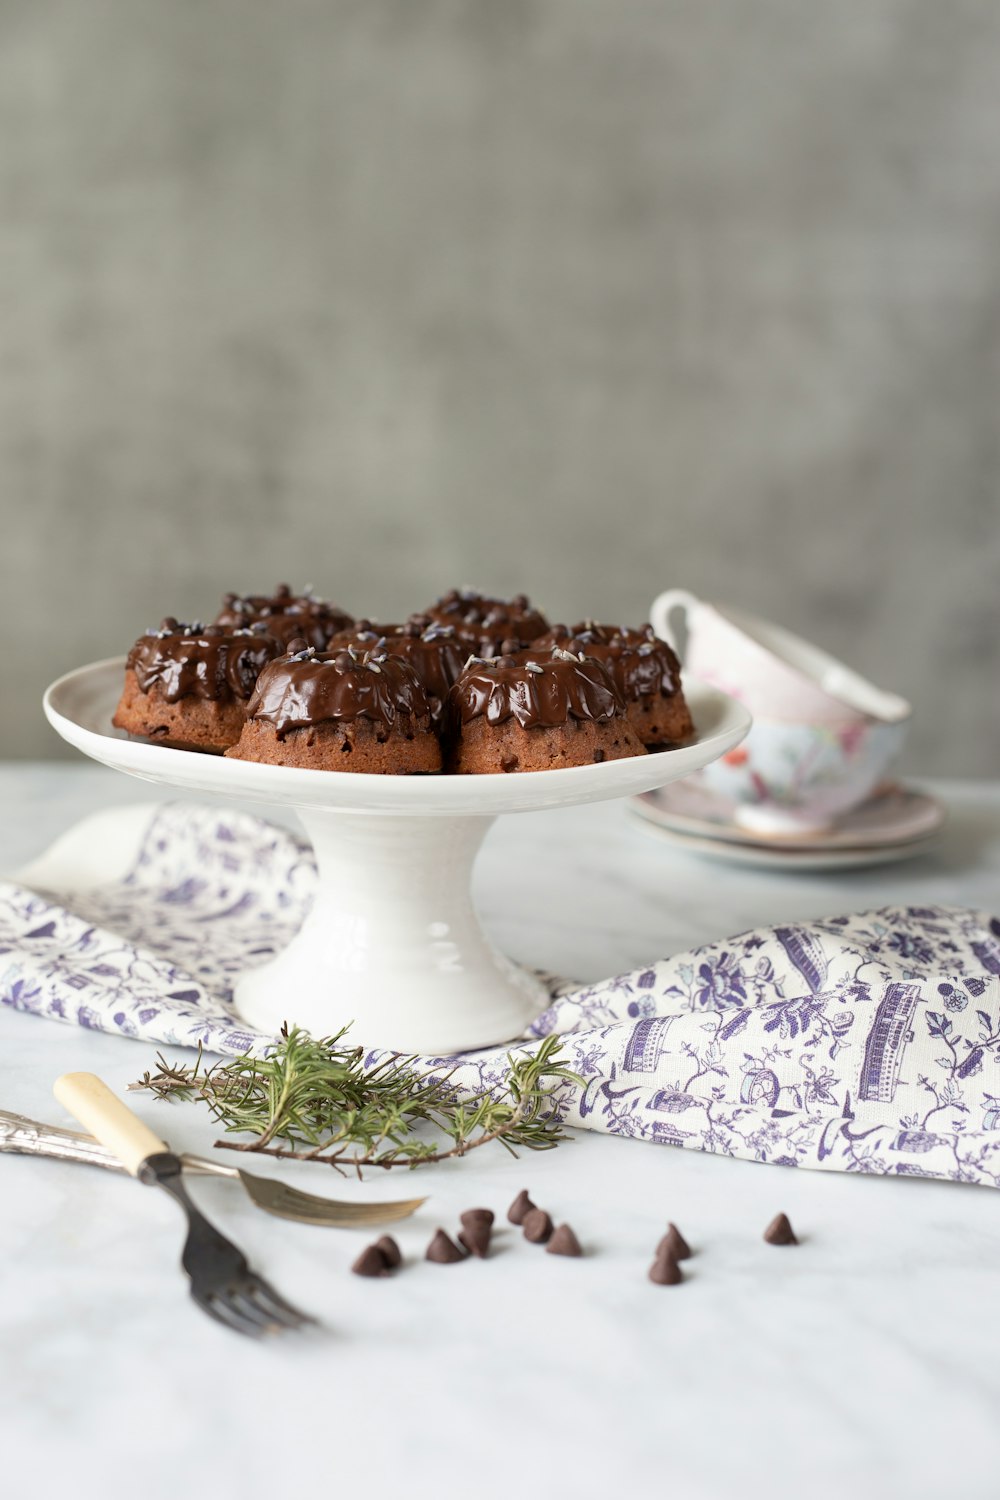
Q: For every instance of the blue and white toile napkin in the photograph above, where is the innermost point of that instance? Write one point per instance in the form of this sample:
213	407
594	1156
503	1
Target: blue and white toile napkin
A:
866	1043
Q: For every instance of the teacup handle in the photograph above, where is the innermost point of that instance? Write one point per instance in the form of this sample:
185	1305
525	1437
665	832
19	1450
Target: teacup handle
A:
662	609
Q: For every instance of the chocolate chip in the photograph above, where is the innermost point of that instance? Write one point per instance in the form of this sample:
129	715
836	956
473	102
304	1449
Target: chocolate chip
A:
563	1242
675	1242
476	1238
391	1252
665	1270
477	1216
521	1206
537	1226
371	1262
477	1224
443	1250
780	1231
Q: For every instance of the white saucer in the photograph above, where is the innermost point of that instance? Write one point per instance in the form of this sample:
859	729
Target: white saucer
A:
895	823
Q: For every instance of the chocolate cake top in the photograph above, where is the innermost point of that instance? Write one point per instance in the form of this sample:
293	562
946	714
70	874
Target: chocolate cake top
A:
541	692
476	617
434	652
201	661
641	664
315	687
287	615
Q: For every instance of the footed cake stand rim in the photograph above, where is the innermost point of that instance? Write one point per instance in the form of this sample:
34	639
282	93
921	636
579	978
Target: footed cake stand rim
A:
392	941
79	704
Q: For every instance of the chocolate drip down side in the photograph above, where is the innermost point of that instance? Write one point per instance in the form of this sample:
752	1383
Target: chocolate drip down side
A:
538	695
640	663
434	652
214	665
294	692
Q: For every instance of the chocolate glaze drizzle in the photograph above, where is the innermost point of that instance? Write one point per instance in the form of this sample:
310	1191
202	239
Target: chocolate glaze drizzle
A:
541	692
640	663
434	652
196	661
285	615
314	687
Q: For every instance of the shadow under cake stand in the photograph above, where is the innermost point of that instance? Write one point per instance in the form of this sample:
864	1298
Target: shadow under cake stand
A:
392	942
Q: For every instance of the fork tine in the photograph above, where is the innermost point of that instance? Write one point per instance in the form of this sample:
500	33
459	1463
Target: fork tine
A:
385	1213
288	1202
276	1306
305	1208
228	1316
241	1299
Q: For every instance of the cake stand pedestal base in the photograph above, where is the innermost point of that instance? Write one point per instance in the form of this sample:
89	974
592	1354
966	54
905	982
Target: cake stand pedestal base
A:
392	943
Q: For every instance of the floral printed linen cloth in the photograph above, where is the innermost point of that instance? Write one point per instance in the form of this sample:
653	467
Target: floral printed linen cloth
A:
865	1043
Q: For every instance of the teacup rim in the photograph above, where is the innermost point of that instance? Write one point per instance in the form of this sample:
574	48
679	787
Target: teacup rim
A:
823	671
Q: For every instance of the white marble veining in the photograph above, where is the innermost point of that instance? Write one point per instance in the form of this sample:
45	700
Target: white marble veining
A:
863	1362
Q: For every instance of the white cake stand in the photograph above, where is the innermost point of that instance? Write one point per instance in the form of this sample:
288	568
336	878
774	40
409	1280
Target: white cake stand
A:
392	942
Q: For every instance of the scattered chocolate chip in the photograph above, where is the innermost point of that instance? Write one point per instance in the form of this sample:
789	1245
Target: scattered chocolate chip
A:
521	1206
665	1270
537	1226
563	1242
780	1231
477	1216
391	1252
675	1242
476	1238
371	1262
443	1250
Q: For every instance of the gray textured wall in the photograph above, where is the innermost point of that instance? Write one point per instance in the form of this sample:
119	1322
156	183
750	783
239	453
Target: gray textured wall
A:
585	297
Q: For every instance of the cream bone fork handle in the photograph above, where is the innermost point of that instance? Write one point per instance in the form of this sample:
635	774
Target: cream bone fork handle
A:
31	1138
222	1283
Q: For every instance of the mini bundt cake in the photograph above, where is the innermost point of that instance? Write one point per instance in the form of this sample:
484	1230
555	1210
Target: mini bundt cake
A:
645	670
287	616
340	710
539	713
484	623
434	652
187	685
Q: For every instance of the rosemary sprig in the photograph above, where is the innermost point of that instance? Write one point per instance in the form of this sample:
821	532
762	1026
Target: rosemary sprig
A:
317	1096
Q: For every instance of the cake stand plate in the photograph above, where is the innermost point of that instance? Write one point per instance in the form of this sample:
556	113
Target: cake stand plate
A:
392	942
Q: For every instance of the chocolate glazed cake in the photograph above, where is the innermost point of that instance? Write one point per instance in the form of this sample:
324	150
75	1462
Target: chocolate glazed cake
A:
433	651
187	685
340	710
645	670
287	616
536	714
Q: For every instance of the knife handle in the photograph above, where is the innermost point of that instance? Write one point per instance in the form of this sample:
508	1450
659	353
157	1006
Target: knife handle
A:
105	1115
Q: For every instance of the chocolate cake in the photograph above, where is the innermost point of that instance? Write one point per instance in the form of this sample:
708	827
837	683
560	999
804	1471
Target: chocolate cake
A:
487	625
645	670
287	616
433	651
187	685
482	684
521	713
340	710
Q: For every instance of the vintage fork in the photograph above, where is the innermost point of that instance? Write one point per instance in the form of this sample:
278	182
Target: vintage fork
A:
222	1283
31	1138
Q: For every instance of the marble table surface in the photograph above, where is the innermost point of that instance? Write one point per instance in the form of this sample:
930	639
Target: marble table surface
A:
865	1362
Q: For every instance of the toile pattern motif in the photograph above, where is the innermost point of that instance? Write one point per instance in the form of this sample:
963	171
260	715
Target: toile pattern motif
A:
863	1043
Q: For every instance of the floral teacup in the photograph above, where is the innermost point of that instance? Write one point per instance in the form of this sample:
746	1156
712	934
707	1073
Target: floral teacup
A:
822	737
